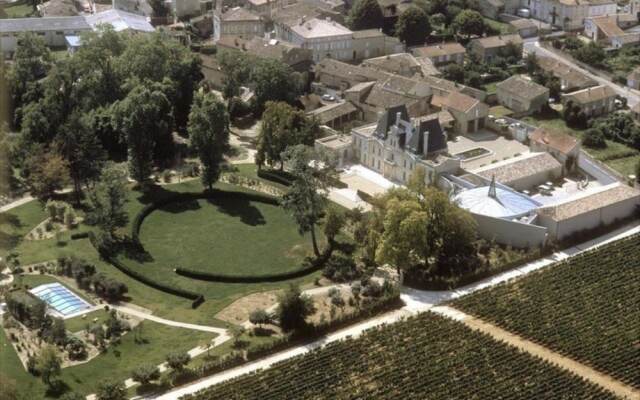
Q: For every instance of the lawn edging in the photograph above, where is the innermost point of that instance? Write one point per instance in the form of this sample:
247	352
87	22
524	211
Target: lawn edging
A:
197	298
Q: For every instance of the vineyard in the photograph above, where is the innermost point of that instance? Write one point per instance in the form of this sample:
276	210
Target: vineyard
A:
424	357
587	308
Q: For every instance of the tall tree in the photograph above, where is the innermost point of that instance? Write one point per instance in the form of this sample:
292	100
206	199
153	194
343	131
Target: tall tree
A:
107	199
306	198
274	81
82	151
468	23
145	118
365	14
48	364
31	62
283	126
47	173
209	133
293	309
236	68
413	26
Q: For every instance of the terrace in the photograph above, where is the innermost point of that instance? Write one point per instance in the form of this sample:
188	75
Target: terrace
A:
483	148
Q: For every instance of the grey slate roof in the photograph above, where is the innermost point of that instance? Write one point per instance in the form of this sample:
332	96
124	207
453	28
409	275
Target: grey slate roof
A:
16	25
388	118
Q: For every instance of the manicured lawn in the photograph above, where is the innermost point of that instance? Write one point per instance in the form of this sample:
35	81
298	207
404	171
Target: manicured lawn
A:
78	323
19	9
224	236
11	367
626	166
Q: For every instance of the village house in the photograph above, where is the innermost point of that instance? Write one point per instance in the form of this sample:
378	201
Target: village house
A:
593	102
469	114
526	28
396	145
238	22
370	43
324	37
186	8
522	95
336	115
340	75
442	54
488	48
297	58
570	78
264	8
285	18
375	97
403	64
569	14
565	148
633	79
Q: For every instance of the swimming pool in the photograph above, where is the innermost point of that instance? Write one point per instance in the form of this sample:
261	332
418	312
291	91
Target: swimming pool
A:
62	300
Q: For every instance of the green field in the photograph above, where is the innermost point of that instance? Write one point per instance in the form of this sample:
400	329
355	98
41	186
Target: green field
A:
424	357
18	9
586	308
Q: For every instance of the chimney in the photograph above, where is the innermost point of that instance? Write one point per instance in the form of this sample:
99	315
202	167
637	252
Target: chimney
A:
425	145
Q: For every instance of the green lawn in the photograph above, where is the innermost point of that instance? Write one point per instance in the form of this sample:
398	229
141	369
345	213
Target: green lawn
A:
19	9
224	236
78	323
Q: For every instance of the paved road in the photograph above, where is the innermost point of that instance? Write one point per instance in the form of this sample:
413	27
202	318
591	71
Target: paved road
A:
416	301
632	96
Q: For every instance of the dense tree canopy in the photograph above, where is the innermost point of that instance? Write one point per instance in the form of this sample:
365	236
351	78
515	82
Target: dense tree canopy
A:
107	199
283	126
209	133
469	23
413	26
365	14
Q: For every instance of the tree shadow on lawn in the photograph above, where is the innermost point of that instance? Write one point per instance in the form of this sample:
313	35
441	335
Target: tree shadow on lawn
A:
241	207
9	240
57	389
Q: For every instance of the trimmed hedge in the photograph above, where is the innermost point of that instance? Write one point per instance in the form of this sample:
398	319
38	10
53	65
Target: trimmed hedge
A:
197	298
79	235
281	177
314	266
365	196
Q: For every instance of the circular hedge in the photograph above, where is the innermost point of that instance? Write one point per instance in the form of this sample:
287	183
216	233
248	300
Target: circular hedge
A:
309	267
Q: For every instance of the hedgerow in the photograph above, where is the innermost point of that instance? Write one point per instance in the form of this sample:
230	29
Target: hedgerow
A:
587	308
424	357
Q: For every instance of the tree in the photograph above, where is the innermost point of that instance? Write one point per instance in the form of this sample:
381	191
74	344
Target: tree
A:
236	68
468	23
76	348
178	360
413	26
283	126
274	81
454	72
58	332
107	199
260	317
306	198
594	138
592	54
48	364
334	221
365	14
31	62
83	152
111	390
293	309
146	119
209	133
145	373
48	172
422	232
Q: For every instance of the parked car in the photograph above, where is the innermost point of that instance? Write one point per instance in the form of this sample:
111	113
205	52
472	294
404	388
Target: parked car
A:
328	97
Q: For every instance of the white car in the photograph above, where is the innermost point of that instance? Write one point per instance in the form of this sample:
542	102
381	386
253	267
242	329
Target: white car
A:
328	97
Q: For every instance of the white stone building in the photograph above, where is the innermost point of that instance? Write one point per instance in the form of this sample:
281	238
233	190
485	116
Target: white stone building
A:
324	37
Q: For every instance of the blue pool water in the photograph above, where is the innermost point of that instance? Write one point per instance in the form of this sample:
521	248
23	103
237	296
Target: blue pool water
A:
61	299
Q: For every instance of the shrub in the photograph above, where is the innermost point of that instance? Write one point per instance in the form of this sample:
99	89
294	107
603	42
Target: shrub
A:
111	390
109	288
145	373
69	217
76	348
79	235
178	360
594	138
340	268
